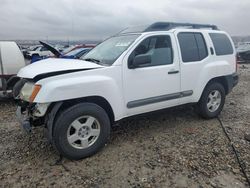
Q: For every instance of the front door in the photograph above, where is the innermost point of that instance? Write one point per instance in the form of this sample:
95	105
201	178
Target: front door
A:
155	85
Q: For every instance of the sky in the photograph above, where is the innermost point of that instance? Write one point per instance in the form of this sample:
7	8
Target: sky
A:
98	19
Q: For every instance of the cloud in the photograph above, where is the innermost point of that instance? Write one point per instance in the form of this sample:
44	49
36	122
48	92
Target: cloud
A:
88	19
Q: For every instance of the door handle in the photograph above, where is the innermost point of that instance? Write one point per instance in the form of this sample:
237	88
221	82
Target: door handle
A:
173	72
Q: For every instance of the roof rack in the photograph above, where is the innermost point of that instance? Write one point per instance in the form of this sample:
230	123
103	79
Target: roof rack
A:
159	26
164	26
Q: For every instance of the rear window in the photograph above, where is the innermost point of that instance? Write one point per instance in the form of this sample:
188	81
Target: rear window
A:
193	47
222	44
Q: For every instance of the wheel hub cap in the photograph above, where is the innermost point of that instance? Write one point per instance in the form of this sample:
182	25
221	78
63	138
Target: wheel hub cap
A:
83	132
214	100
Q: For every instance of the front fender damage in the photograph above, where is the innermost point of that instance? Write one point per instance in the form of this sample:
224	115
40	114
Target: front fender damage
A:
50	119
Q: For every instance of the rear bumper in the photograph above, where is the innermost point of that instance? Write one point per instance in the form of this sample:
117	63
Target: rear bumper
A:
235	79
232	81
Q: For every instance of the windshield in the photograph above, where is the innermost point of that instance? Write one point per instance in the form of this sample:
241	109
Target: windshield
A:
109	50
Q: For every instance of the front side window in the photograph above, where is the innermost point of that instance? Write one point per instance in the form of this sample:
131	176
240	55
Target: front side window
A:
108	51
193	47
159	48
221	43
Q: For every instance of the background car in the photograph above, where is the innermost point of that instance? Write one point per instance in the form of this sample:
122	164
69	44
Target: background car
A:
243	52
31	48
76	54
40	51
11	61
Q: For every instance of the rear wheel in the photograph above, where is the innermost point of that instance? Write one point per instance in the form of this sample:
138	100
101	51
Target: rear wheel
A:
212	100
81	131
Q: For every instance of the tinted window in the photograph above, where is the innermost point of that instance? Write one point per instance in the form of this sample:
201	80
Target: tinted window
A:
158	47
221	43
193	46
202	48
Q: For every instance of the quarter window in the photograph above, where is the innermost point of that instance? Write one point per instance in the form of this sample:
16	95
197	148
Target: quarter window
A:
221	43
193	47
158	47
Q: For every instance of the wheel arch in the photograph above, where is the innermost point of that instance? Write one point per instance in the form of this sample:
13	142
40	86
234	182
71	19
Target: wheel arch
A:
56	108
220	79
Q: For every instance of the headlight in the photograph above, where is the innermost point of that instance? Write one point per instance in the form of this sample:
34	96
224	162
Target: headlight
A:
29	91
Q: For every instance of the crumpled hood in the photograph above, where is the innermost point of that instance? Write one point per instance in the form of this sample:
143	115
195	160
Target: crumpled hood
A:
55	65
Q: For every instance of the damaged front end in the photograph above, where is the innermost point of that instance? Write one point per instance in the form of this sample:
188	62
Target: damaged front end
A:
29	114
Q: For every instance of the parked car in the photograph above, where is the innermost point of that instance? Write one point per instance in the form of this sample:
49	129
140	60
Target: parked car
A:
243	52
39	51
74	47
76	54
73	54
31	48
137	71
11	61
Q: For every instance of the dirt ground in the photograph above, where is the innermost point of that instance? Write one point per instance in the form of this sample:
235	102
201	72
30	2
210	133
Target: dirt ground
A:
173	148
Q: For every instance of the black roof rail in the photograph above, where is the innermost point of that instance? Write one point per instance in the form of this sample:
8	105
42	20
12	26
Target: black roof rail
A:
161	26
164	26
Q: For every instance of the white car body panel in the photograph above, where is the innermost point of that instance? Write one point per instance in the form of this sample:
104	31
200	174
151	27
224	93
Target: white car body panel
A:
195	75
103	82
136	88
11	59
54	65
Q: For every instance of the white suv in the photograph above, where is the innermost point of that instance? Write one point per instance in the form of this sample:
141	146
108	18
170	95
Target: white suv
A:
139	70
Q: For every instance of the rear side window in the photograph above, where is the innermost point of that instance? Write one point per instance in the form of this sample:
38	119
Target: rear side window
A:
202	48
193	47
222	44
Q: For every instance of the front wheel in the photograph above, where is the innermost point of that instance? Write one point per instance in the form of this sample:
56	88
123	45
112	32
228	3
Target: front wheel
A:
212	101
81	131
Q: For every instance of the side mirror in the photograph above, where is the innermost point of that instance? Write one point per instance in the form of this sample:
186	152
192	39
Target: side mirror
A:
142	59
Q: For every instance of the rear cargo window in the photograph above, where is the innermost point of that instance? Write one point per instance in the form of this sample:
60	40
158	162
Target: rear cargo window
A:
221	43
193	47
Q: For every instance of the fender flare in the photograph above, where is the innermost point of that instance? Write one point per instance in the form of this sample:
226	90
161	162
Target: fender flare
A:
50	119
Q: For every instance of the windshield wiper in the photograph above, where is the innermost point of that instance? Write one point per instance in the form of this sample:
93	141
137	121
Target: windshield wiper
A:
92	60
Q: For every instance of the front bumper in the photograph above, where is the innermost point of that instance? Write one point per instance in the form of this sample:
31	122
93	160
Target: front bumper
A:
31	115
23	119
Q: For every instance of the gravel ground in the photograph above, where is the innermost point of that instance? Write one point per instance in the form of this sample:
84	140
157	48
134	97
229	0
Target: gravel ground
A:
172	148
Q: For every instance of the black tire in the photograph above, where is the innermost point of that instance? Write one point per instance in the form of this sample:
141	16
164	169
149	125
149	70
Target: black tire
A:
64	121
203	109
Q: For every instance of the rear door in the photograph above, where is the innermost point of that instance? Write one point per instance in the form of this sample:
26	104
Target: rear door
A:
194	55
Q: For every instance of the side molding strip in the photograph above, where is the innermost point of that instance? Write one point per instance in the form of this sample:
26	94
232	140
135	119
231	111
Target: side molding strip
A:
142	102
